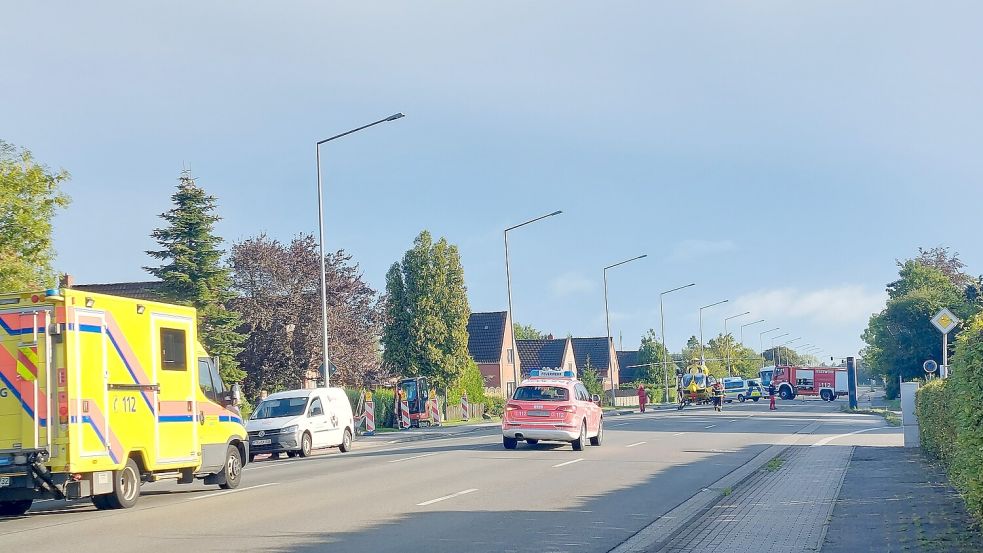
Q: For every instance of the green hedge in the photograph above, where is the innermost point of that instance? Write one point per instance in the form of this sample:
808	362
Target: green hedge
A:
934	410
950	416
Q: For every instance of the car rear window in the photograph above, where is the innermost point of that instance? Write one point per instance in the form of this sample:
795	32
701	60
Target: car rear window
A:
541	393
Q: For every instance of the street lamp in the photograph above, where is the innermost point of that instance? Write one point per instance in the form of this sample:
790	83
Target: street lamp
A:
749	324
761	343
702	363
607	317
774	358
662	318
320	224
726	334
508	284
785	345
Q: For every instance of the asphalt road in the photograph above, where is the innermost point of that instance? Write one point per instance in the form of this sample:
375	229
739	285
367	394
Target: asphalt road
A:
464	493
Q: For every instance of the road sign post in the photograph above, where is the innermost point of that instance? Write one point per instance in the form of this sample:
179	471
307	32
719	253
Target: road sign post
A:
945	321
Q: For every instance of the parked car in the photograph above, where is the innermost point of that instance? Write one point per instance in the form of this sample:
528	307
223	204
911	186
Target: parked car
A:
297	422
552	406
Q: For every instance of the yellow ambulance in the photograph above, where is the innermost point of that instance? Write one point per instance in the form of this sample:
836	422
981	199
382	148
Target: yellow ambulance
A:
99	394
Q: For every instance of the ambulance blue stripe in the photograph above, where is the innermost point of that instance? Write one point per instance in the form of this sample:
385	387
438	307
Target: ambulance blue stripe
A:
98	330
227	418
30	412
19	331
88	420
176	418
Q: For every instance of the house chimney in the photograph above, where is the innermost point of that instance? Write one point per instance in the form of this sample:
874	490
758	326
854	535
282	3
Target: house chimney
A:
66	281
549	336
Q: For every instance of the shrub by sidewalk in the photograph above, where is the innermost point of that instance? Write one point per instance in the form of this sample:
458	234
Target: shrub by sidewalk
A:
950	416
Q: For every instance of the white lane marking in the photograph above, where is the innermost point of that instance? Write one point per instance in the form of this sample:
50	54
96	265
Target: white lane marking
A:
619	424
711	426
825	441
226	492
732	420
568	463
413	457
457	494
634	444
678	434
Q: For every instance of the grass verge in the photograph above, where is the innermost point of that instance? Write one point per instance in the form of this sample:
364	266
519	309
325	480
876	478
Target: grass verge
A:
891	417
774	464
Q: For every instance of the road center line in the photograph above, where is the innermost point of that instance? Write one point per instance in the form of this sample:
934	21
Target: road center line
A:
825	441
226	492
711	426
568	463
456	494
634	444
413	457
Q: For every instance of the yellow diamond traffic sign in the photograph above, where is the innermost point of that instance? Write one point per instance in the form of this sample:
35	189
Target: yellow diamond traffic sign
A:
945	321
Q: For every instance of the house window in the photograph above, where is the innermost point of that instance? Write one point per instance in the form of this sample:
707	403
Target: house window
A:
173	350
511	357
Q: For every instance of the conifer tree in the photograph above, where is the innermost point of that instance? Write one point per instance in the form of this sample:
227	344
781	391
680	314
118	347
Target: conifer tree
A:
193	273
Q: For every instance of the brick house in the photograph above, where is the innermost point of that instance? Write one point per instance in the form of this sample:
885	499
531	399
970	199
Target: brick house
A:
602	355
546	353
490	344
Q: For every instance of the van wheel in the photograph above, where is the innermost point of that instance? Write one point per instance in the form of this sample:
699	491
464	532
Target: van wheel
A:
346	442
305	445
233	469
15	508
578	444
126	487
509	443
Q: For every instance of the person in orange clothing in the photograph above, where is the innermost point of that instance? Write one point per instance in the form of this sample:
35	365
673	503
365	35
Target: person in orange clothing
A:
771	397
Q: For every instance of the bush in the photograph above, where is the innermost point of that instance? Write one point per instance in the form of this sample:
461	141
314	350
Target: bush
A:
934	410
951	419
384	410
495	406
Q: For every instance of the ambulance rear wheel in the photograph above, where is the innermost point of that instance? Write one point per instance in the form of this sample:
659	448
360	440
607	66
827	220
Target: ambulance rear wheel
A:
233	469
126	487
15	508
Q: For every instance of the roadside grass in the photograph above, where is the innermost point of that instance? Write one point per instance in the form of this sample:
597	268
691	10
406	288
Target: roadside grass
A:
774	464
890	416
728	490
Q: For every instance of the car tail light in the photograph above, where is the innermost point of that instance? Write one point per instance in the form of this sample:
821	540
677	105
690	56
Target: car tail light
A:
566	408
512	407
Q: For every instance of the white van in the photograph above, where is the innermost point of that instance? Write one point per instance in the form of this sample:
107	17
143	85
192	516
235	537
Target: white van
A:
735	388
299	421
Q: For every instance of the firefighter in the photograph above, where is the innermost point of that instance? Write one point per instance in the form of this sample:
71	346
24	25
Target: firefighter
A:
718	396
771	396
642	398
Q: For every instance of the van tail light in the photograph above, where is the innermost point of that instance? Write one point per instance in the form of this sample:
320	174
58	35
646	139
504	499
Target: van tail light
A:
566	408
512	407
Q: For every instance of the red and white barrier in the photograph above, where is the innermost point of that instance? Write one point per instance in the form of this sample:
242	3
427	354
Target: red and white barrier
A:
434	411
404	415
465	407
369	417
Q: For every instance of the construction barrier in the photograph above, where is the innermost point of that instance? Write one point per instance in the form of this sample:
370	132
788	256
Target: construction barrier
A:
404	415
369	418
465	407
433	410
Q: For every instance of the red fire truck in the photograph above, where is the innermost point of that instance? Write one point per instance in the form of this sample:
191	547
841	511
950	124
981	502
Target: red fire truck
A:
825	382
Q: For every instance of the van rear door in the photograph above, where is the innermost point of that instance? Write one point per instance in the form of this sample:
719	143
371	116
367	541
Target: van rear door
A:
178	417
24	378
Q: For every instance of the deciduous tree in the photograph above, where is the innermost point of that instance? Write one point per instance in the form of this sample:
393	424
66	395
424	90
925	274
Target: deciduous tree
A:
30	194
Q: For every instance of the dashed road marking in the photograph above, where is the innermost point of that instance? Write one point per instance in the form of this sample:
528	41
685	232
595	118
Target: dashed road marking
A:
568	463
634	444
451	496
711	426
413	457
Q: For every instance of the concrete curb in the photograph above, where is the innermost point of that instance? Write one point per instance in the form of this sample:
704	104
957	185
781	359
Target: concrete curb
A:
656	535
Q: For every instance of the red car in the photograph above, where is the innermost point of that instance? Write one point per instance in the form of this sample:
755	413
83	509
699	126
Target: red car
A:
552	406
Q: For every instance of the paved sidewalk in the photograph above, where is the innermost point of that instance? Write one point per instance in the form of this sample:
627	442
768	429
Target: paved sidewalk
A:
894	500
780	510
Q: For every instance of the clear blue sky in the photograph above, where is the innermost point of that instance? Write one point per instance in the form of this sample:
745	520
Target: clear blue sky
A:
780	154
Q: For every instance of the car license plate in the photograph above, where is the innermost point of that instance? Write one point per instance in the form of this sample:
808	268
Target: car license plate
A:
539	413
261	442
4	481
